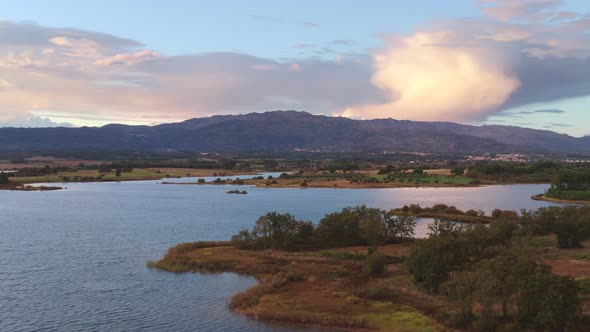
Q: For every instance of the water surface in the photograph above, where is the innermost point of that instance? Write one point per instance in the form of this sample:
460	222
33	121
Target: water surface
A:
74	260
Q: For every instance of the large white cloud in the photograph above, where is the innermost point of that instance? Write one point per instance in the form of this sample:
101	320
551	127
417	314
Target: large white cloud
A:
430	77
45	71
467	69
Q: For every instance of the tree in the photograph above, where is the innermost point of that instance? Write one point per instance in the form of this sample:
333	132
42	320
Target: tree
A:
242	240
340	229
118	172
282	231
458	171
467	288
432	260
444	228
509	271
374	264
371	226
396	227
3	178
496	213
549	302
572	231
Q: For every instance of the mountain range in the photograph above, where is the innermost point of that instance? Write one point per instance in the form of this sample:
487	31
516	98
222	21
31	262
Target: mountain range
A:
290	130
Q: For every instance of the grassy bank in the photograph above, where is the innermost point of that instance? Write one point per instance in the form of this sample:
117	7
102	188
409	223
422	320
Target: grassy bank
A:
19	187
542	197
328	288
134	175
359	268
354	180
324	288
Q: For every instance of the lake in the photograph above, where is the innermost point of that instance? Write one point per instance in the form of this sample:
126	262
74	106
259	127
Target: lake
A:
74	260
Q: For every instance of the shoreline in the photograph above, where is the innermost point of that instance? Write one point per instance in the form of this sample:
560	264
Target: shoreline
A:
160	176
301	183
352	186
313	288
326	186
542	197
28	187
327	288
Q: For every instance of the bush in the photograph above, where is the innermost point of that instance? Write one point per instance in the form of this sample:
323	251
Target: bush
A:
376	294
550	302
375	264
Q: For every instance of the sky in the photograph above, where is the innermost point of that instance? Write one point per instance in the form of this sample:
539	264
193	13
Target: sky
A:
505	62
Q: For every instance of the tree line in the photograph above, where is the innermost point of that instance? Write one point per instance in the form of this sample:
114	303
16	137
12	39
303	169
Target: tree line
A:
352	226
571	185
491	277
486	272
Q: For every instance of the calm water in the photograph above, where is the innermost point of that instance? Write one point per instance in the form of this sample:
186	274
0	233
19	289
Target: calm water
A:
74	260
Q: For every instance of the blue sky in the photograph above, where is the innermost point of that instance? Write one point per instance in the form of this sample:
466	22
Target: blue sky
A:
241	56
261	28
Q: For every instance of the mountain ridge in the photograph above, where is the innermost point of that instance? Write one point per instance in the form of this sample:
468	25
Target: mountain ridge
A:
289	130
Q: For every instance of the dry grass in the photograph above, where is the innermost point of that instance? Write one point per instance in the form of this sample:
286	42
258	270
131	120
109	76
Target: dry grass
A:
312	288
136	174
327	288
442	171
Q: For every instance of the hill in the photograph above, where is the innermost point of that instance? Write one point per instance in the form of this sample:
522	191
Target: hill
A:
289	130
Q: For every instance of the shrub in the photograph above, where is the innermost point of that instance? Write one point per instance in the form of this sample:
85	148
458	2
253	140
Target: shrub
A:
375	264
376	294
550	302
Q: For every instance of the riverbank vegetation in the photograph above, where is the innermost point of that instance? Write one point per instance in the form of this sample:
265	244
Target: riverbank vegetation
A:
570	186
522	172
353	179
360	268
304	171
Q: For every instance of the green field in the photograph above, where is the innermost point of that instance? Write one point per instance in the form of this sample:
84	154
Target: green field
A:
424	179
95	175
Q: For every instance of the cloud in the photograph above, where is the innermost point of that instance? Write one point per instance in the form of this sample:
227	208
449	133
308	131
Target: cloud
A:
550	111
560	125
33	122
310	24
343	42
85	74
278	19
429	80
129	59
463	69
519	113
457	69
518	9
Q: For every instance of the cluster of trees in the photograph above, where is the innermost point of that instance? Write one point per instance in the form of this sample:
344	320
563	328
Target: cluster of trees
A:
443	209
341	166
571	224
40	171
162	163
540	171
416	169
3	178
493	282
573	185
352	226
485	271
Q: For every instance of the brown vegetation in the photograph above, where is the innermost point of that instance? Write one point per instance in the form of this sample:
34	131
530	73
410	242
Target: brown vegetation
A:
325	288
